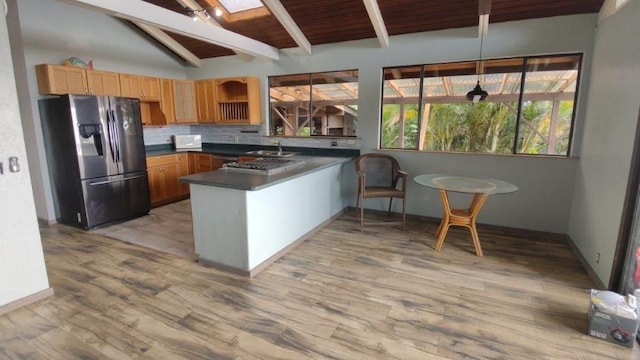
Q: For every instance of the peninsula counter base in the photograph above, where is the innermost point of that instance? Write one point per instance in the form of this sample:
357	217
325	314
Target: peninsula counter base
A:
245	230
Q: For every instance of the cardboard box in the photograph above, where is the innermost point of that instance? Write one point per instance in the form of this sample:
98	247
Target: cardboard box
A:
615	329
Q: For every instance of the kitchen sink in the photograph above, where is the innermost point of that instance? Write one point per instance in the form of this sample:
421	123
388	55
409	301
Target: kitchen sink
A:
270	153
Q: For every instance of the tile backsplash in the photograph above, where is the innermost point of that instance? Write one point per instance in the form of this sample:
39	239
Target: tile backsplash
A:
251	135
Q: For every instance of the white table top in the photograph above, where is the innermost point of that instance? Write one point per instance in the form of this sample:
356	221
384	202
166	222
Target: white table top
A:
465	184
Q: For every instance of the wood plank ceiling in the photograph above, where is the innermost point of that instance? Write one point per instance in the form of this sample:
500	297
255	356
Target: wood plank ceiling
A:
331	21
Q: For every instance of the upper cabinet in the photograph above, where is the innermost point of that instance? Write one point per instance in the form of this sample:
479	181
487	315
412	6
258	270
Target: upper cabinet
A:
237	100
232	101
205	96
144	88
60	79
103	82
184	96
166	101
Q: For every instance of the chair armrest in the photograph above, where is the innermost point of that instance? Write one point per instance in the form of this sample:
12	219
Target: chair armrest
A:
403	175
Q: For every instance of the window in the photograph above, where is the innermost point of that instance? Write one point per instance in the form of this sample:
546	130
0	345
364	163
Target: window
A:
317	104
529	109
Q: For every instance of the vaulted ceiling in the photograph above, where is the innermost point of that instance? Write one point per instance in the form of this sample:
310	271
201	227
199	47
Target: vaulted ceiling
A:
302	23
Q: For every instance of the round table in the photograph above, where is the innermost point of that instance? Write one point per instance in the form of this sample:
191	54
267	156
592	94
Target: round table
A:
480	187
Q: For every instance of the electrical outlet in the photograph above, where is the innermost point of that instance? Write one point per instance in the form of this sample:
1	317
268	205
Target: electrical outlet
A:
598	258
334	142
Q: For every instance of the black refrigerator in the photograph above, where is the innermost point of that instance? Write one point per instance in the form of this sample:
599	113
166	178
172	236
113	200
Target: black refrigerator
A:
96	158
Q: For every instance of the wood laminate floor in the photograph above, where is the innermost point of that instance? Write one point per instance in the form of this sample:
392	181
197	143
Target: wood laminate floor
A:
167	228
342	294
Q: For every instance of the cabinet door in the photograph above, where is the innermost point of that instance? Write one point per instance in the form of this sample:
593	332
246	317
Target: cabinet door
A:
60	80
216	162
183	163
190	101
150	88
200	163
171	173
130	86
166	100
163	172
156	184
103	83
205	100
184	101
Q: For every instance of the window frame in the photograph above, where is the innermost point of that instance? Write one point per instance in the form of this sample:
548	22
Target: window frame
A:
421	101
311	76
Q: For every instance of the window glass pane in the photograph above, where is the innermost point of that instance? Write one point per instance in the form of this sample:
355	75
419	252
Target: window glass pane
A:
547	105
334	101
318	104
290	96
400	114
453	123
434	108
234	6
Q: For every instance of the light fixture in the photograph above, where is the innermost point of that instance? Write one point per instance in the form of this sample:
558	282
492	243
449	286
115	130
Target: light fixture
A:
477	94
194	14
218	12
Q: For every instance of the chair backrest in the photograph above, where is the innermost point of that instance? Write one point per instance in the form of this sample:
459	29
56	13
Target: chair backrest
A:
380	170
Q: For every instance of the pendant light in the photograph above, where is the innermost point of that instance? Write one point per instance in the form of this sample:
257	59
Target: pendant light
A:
477	94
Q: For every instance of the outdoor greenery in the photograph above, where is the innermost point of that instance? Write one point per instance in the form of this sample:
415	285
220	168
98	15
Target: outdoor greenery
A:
487	127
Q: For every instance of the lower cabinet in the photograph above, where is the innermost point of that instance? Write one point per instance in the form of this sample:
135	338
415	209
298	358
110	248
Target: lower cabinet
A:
200	163
165	171
246	158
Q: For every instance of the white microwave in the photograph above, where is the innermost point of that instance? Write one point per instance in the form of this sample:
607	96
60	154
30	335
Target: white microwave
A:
187	141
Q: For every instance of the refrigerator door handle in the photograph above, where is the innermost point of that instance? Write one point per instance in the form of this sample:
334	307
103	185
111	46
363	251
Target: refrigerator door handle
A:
117	180
110	131
117	133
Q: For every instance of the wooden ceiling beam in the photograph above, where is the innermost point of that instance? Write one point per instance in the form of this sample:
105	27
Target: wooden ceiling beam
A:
170	43
276	8
146	13
377	21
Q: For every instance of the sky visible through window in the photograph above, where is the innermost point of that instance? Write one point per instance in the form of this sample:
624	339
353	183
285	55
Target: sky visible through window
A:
234	6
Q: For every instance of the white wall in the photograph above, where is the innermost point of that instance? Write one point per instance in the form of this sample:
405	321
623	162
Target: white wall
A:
609	132
544	199
52	31
22	267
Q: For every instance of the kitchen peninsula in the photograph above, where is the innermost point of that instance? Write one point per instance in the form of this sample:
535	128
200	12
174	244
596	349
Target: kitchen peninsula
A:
243	221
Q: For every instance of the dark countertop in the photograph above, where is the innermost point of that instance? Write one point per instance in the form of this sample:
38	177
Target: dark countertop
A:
228	178
242	149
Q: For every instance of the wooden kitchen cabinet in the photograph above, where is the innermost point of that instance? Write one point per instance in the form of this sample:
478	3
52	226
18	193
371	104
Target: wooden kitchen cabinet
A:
244	158
184	101
166	101
200	163
205	100
61	79
163	173
183	166
217	162
145	88
150	87
103	82
237	100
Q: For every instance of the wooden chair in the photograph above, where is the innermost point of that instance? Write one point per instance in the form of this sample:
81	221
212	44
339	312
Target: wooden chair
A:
378	176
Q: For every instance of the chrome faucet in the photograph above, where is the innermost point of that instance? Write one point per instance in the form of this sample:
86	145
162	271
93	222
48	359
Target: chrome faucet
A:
279	147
